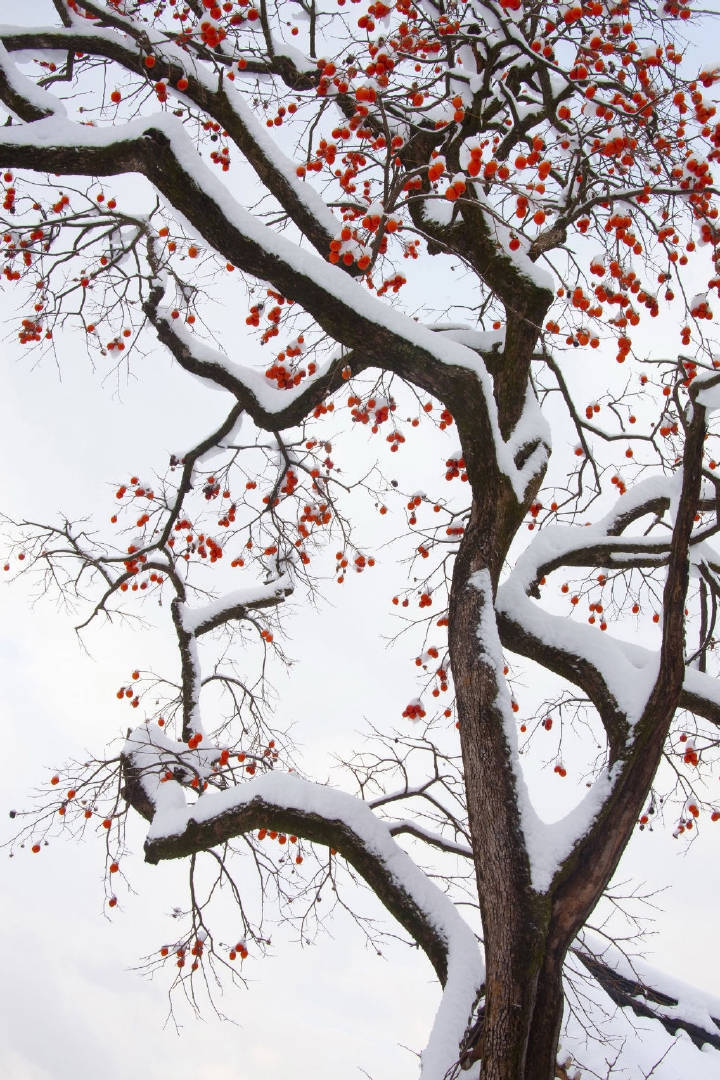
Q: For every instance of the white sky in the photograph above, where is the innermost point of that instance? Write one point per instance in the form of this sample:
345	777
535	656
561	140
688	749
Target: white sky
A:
66	960
69	1005
69	1002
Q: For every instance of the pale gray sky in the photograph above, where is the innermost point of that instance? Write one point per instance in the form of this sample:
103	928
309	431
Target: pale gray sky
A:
69	1005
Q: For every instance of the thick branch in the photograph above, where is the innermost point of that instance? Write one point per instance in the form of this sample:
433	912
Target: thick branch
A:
644	1001
341	307
585	873
234	605
298	199
341	822
262	811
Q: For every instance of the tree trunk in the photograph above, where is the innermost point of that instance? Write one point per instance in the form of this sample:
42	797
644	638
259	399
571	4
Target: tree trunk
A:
514	916
524	952
547	1017
523	1009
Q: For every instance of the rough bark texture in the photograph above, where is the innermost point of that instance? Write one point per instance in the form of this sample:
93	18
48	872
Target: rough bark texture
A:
528	933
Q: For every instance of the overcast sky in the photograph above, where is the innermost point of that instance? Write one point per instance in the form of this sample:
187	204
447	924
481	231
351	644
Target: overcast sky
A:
70	1004
69	999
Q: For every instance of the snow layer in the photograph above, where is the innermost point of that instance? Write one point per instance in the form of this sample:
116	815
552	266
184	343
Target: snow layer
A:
547	845
28	89
596	1032
630	674
194	619
305	264
151	751
693	1005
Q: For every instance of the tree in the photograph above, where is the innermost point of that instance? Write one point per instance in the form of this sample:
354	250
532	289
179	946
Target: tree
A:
549	167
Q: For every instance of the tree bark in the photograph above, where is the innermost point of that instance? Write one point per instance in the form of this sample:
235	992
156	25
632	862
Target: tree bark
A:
541	1058
514	917
527	932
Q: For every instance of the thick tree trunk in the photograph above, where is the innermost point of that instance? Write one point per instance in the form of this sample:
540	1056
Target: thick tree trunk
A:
511	995
515	918
527	932
547	1017
523	1011
524	951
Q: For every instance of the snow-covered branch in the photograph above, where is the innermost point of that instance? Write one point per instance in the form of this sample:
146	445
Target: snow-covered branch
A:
234	605
650	993
616	674
411	828
201	87
161	151
336	820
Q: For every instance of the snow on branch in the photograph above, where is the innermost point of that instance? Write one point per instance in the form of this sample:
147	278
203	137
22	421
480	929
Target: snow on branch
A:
621	678
26	99
617	675
547	847
270	408
234	605
650	993
199	85
325	816
161	150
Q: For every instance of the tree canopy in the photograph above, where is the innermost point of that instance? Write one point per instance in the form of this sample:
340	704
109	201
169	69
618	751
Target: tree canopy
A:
422	250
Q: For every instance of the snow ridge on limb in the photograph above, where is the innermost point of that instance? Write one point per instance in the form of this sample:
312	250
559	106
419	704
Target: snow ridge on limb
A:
201	86
161	151
270	409
526	448
23	96
615	673
191	623
546	846
623	678
636	742
326	816
636	985
235	605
